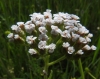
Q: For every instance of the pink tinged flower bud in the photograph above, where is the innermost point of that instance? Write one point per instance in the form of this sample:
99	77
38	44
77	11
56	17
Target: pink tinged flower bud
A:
65	45
80	52
86	47
32	51
71	50
93	47
30	39
42	44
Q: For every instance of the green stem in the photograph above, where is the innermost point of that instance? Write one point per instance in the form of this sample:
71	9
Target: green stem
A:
46	61
58	60
50	76
91	75
81	69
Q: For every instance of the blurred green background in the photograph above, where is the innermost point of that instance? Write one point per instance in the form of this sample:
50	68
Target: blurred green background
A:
16	63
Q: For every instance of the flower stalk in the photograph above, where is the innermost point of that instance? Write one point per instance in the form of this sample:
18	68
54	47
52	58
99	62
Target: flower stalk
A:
91	75
81	68
56	61
46	61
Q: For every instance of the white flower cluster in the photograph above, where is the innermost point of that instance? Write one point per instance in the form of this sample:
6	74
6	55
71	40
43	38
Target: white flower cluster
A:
41	27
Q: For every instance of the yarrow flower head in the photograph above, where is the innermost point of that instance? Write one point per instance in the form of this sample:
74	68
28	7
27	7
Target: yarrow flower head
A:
53	33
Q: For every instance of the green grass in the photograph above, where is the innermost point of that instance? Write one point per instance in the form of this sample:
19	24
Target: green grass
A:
16	63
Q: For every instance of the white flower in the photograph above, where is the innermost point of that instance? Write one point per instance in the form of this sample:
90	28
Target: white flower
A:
16	28
16	36
66	34
28	23
20	23
78	25
75	17
10	35
63	15
86	47
48	22
30	39
71	50
29	28
80	52
39	23
32	51
55	30
42	30
43	37
47	14
37	17
68	16
58	20
83	30
93	47
75	29
51	48
71	28
42	44
65	45
66	23
75	36
88	39
90	35
82	40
